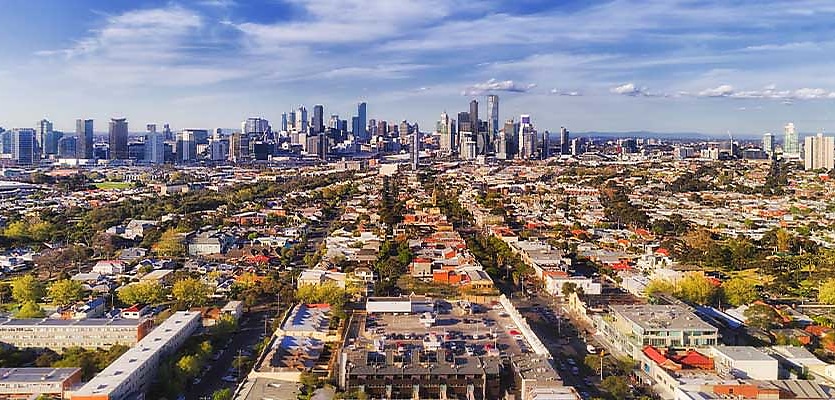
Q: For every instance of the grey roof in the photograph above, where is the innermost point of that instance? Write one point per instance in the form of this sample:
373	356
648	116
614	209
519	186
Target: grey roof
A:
35	374
662	317
743	353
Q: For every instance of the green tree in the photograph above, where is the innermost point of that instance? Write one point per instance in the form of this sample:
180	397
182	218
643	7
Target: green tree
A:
65	291
30	309
617	387
191	292
568	288
17	230
27	288
222	394
826	293
189	365
150	292
660	286
696	288
170	244
739	291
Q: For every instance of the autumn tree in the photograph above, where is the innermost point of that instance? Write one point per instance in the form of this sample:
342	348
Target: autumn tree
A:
660	286
761	316
696	288
30	309
170	244
27	288
150	292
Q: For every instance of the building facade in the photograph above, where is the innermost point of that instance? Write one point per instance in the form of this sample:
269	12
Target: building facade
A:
118	138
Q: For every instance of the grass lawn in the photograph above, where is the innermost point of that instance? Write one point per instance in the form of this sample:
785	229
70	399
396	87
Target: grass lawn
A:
114	185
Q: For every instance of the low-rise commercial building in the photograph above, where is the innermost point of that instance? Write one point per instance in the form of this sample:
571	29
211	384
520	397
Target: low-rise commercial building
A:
744	362
402	304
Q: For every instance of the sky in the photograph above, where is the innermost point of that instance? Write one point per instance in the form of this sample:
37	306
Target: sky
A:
745	67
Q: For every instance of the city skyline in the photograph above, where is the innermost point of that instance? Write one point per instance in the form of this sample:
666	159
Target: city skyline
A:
658	66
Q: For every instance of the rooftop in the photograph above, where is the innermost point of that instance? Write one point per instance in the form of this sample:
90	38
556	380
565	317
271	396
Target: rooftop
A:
662	317
36	374
307	318
743	353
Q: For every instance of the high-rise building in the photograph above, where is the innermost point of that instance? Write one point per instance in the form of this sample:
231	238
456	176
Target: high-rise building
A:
284	122
474	114
362	121
154	145
527	137
84	133
791	144
118	138
446	129
187	145
255	127
565	141
42	129
333	122
546	145
492	115
416	149
318	118
67	147
511	134
291	120
51	142
167	134
768	143
239	147
23	146
301	120
819	152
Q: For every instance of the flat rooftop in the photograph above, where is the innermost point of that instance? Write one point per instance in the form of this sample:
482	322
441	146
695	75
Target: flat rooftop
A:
26	375
743	353
45	322
662	317
308	318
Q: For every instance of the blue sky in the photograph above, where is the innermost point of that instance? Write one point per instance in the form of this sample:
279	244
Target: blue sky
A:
667	66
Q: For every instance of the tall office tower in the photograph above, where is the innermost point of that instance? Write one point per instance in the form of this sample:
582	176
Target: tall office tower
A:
501	145
511	135
291	120
333	122
84	133
355	129
791	145
42	129
301	119
167	134
416	149
318	118
492	115
51	142
117	134
405	128
527	137
474	114
819	152
23	146
255	127
239	147
362	122
187	146
382	128
154	145
67	147
446	128
768	143
284	122
468	149
545	151
565	141
372	128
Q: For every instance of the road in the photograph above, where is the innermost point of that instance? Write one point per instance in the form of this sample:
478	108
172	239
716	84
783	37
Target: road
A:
248	334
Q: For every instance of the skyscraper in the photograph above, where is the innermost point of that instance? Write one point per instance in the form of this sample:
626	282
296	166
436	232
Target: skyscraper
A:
187	146
474	114
23	146
284	122
255	127
446	129
118	138
67	147
492	115
301	120
527	137
166	132
84	134
565	141
154	145
791	144
318	118
416	149
819	152
768	143
43	129
362	122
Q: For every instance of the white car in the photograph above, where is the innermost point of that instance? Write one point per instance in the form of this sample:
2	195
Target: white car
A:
229	378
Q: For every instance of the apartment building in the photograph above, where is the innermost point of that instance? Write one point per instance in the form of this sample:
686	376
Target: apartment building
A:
130	375
56	334
28	383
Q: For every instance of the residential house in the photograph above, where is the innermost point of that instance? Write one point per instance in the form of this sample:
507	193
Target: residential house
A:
209	242
110	267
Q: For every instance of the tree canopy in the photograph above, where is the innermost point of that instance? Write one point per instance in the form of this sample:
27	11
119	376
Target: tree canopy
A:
27	288
191	292
65	291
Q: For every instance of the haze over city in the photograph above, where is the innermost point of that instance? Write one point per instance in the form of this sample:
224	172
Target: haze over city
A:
663	66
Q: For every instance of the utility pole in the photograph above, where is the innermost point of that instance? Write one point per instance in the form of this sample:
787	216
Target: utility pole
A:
601	364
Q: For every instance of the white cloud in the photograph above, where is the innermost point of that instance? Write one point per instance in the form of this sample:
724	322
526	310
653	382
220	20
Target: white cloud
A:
628	89
493	85
719	91
569	93
768	92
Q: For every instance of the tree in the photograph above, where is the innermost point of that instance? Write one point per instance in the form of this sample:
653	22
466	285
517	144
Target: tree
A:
696	288
739	291
617	387
761	316
104	244
222	394
65	291
568	288
27	288
150	292
17	230
660	286
191	292
826	293
30	309
189	365
170	244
